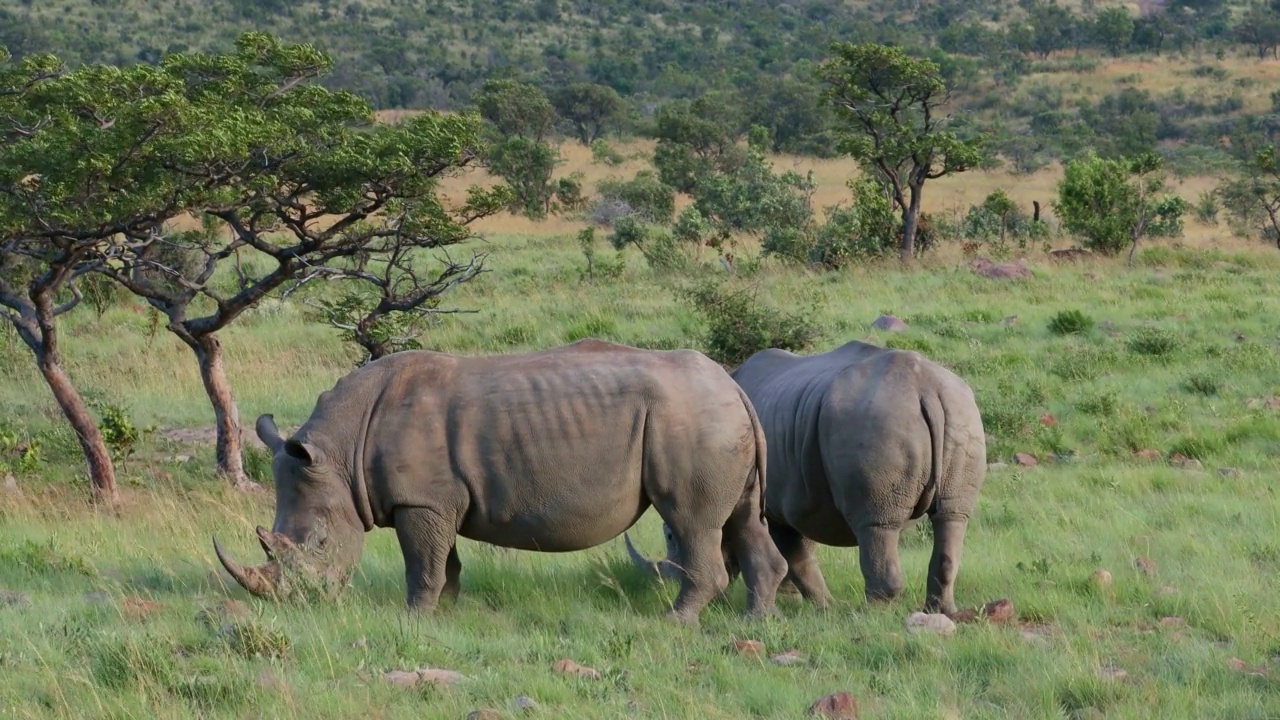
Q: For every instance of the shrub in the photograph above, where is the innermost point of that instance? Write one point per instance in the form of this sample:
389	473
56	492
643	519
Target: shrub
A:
646	196
739	325
1202	384
603	153
1112	204
1070	322
1153	342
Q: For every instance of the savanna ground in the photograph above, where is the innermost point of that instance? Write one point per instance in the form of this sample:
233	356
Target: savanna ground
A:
106	615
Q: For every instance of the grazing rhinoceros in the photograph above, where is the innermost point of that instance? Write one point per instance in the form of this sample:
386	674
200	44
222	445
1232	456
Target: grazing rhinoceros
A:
551	451
863	439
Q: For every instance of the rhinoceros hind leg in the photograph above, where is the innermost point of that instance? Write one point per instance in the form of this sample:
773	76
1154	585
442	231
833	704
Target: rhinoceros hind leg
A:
427	543
802	567
948	541
452	575
762	566
704	574
878	556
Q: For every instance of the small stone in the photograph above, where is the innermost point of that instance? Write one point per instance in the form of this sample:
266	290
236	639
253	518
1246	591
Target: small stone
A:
525	703
1184	462
569	667
484	714
999	611
1010	321
836	706
1273	403
935	623
360	643
1101	578
10	484
1025	459
1048	420
220	612
1230	473
182	458
964	615
1146	565
14	599
1148	454
138	608
434	676
889	323
1241	666
1172	621
790	657
749	648
1168	590
996	466
1111	672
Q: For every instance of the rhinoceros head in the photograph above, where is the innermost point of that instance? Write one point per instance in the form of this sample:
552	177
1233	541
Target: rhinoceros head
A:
317	533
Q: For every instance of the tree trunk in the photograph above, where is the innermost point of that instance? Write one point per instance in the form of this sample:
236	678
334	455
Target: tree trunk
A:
41	336
910	219
208	350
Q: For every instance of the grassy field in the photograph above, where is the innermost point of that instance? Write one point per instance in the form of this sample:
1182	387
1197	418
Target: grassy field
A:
105	615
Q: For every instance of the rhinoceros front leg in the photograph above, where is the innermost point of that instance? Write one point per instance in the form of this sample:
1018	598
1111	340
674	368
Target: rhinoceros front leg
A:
878	556
762	565
802	566
427	541
948	542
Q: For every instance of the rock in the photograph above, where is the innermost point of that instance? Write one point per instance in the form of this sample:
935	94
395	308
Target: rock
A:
524	703
1172	621
1111	672
1025	459
182	459
569	667
999	271
1148	454
138	608
964	615
1145	565
1230	473
10	484
1184	462
999	611
836	706
1273	403
215	615
1036	633
934	623
996	466
484	714
749	648
790	657
434	676
1010	321
1168	590
360	643
1048	420
1074	252
889	323
1241	666
14	599
1100	579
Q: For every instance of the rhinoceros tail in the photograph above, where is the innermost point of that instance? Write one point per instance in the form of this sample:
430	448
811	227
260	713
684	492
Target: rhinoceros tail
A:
762	452
935	418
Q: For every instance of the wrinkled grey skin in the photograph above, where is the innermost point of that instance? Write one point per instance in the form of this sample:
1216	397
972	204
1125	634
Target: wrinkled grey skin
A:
554	451
863	440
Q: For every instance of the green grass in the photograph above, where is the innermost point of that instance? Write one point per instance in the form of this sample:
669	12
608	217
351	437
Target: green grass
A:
1180	346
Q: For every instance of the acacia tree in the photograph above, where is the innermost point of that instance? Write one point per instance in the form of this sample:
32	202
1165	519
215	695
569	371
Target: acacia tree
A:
590	108
892	104
1254	198
83	160
317	184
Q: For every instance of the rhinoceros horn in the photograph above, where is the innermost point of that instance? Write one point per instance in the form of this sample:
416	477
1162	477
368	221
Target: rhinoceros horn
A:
261	581
661	568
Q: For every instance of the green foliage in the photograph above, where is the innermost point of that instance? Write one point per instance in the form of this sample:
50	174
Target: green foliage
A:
1153	342
602	152
998	220
696	139
753	198
1253	199
1112	204
119	432
528	166
589	108
740	325
643	195
598	267
1113	29
516	109
891	105
1070	322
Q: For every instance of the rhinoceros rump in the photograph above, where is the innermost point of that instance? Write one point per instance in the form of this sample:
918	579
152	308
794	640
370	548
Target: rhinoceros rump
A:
863	440
553	451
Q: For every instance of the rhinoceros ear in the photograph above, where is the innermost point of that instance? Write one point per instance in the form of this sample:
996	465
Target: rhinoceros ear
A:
268	433
304	451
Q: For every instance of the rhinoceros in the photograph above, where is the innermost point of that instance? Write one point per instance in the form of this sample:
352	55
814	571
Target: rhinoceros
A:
862	440
552	451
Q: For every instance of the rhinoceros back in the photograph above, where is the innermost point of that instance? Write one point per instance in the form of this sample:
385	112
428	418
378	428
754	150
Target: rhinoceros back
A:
557	450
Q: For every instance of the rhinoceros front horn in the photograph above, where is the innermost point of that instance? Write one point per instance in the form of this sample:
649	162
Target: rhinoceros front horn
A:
260	581
661	568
